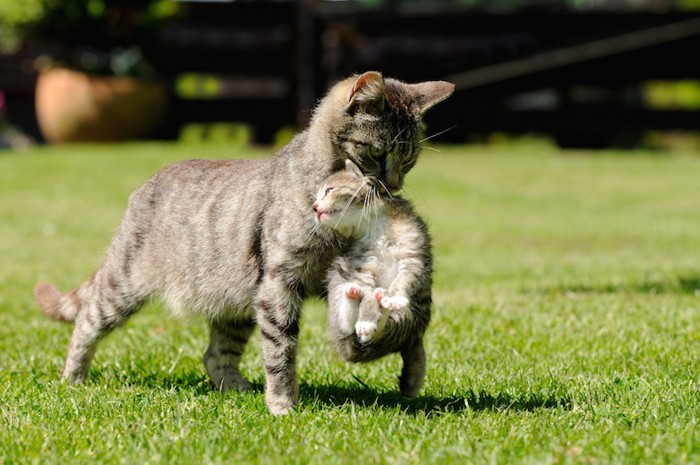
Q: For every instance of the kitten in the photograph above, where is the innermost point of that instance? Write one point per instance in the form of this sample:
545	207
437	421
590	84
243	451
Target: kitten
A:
235	240
379	293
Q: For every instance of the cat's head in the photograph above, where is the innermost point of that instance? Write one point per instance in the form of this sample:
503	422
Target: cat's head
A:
378	124
345	201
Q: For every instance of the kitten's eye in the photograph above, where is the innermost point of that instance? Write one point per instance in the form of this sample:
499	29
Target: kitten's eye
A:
376	152
328	191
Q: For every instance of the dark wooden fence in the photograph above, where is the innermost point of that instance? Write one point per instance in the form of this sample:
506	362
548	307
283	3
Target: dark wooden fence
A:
576	75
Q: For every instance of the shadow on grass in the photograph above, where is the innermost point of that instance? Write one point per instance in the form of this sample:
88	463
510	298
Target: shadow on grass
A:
194	381
360	394
425	404
682	284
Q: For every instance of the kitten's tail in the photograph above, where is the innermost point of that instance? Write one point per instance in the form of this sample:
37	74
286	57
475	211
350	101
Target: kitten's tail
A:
56	304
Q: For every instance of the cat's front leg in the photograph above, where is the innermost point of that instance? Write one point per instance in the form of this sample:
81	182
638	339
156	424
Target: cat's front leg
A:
278	306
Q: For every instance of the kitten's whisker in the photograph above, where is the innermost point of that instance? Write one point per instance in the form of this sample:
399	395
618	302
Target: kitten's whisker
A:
376	204
347	205
431	148
437	134
366	205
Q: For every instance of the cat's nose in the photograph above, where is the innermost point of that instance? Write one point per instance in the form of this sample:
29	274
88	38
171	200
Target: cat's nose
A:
315	206
392	181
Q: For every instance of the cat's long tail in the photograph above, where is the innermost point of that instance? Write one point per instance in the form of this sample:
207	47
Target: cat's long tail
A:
56	304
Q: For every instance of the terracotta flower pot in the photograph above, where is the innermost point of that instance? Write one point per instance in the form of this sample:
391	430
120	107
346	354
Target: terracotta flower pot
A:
76	107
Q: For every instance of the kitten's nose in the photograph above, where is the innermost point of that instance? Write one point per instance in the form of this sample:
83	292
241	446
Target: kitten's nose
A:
315	206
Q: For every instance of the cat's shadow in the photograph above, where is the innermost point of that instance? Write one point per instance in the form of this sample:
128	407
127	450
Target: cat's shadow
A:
367	397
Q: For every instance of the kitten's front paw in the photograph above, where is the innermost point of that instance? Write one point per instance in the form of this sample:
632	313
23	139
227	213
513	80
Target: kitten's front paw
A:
397	302
379	294
353	291
365	330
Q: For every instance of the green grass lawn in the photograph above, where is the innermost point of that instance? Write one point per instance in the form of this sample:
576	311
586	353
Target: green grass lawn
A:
565	330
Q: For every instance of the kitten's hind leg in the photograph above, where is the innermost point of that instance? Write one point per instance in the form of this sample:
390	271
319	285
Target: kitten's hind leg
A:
348	308
413	371
371	319
223	356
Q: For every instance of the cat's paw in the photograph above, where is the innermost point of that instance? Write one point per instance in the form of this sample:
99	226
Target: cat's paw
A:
279	405
230	381
398	302
379	294
353	291
365	330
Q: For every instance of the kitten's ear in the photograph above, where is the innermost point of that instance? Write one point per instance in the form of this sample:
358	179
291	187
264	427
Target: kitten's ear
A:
367	92
353	169
428	94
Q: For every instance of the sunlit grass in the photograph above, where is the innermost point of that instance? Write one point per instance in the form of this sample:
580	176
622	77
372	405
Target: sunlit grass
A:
565	329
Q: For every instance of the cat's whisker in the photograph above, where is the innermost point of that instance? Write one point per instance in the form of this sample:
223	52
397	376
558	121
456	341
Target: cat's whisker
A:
437	134
386	189
397	136
431	148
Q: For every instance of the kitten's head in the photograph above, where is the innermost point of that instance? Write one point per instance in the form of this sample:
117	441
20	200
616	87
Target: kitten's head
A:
344	200
377	123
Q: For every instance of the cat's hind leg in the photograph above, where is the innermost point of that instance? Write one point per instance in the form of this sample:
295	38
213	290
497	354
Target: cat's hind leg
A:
97	307
223	356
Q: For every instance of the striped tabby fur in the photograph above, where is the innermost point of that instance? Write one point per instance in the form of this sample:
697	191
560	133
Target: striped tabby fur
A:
235	241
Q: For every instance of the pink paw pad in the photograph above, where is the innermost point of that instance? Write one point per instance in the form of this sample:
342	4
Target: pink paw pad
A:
353	292
378	294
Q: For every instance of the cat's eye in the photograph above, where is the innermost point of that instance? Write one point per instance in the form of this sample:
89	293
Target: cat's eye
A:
376	152
328	191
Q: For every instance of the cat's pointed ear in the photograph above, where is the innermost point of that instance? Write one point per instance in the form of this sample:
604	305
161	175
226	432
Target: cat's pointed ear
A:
353	169
428	94
367	92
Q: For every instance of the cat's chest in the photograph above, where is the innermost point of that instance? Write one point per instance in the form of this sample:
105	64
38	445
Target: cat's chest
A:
309	262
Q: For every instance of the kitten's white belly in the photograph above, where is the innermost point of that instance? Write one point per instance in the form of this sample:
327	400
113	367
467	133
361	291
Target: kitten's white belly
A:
387	268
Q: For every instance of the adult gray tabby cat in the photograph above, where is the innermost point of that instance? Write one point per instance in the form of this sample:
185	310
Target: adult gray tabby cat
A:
235	240
380	291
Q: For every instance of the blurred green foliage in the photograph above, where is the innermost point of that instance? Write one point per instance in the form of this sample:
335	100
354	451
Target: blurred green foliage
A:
673	95
72	21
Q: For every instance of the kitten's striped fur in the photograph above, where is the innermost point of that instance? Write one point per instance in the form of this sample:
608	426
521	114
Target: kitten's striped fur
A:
235	240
